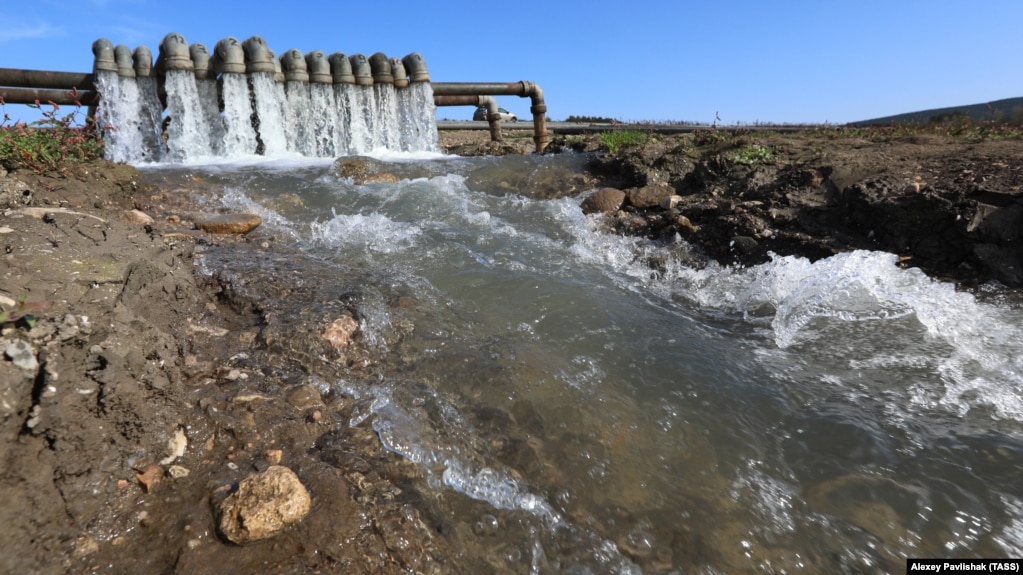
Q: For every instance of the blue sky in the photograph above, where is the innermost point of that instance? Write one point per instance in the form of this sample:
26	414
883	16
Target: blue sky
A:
744	61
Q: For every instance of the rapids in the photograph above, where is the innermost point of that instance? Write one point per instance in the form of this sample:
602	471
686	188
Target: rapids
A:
578	410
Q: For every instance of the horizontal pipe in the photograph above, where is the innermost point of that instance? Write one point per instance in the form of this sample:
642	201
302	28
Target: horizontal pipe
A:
60	97
493	112
522	89
44	79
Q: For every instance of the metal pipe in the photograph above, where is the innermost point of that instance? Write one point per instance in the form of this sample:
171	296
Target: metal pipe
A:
293	63
416	67
103	51
228	57
201	62
45	79
361	70
258	57
398	71
122	56
44	95
142	59
493	111
381	69
174	54
319	67
341	68
522	89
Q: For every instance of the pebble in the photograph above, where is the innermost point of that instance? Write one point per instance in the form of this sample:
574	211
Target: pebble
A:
22	355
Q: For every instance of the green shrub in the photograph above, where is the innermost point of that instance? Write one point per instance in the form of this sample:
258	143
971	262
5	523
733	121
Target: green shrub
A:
54	144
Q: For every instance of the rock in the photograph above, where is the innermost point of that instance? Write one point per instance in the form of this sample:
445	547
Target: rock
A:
176	446
22	355
228	223
604	201
305	397
650	196
149	477
138	217
178	471
264	504
340	333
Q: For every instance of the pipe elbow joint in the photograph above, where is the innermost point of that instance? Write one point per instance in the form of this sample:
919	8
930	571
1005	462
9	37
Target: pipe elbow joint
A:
174	54
380	68
293	64
142	61
258	58
122	56
361	69
103	52
228	57
398	71
416	67
319	67
340	68
201	62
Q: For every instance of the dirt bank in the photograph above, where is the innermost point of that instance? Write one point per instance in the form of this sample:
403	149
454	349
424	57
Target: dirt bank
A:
131	406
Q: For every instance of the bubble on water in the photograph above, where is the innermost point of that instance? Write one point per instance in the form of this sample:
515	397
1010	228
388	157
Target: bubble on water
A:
486	525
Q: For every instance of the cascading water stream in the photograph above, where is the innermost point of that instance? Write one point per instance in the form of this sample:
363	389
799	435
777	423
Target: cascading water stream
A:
246	114
240	137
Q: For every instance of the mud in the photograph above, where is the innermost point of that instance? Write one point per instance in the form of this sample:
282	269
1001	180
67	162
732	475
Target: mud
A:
136	350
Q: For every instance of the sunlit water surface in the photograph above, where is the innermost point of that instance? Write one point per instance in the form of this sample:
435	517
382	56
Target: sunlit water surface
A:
792	417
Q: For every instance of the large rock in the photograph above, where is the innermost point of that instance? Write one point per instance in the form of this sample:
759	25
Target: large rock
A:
228	223
264	504
604	201
650	196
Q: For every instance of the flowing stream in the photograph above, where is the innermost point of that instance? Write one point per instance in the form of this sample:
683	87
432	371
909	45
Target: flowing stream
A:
576	409
581	412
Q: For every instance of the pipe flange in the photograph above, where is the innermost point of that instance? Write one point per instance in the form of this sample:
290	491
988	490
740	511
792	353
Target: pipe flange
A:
361	70
319	68
416	67
398	71
293	64
228	57
201	62
103	51
258	57
142	61
122	56
174	54
341	68
380	67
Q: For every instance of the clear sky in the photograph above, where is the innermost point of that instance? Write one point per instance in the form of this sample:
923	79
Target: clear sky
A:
743	61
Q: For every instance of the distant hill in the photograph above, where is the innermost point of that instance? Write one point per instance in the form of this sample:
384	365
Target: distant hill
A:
1009	110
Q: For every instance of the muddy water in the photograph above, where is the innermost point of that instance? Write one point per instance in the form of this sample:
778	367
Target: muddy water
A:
573	410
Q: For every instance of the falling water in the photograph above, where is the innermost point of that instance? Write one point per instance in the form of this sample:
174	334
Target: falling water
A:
268	110
323	119
208	104
387	116
128	127
150	118
240	137
302	139
253	114
188	136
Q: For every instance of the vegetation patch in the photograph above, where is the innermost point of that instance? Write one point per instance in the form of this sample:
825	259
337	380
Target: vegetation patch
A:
616	139
752	154
56	144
